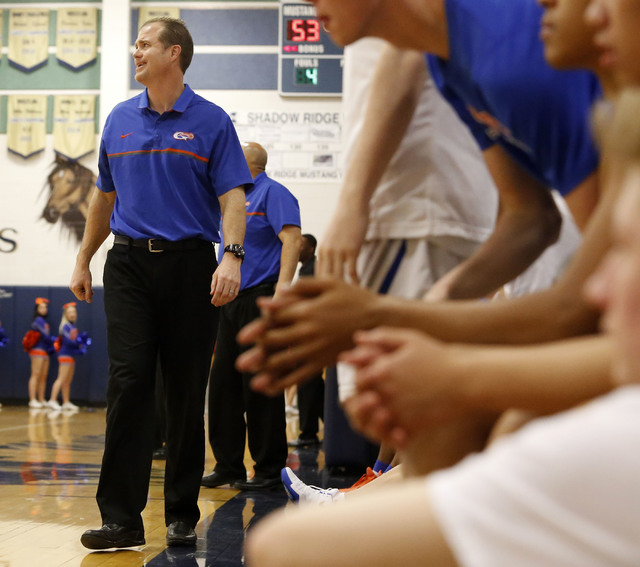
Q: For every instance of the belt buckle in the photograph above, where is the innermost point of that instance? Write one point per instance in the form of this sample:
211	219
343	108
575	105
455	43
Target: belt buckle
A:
150	245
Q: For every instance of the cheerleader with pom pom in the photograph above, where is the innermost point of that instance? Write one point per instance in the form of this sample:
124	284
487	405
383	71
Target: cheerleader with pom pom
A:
69	344
39	345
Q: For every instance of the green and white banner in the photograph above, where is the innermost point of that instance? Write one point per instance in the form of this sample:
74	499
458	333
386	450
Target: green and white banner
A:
28	38
77	37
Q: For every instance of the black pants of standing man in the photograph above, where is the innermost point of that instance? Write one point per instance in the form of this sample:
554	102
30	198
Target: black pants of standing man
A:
156	303
230	396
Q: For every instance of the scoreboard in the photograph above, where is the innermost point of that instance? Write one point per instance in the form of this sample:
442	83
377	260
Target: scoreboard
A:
310	63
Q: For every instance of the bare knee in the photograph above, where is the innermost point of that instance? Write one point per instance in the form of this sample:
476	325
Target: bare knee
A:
266	544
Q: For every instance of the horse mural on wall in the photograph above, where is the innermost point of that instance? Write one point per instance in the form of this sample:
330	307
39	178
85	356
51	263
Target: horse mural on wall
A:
70	184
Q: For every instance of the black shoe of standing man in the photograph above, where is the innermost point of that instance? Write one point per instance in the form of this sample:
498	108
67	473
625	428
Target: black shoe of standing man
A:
304	442
181	534
216	479
257	483
112	536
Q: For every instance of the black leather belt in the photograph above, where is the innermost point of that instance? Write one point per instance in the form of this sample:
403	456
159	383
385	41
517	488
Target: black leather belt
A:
157	245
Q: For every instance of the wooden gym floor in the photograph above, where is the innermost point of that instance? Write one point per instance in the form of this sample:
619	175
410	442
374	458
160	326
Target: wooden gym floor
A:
49	466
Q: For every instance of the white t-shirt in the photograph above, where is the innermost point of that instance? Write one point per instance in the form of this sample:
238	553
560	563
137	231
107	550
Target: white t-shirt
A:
437	182
564	491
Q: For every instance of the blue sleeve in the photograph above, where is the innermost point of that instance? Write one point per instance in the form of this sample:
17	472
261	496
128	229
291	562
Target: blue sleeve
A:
105	179
228	167
477	130
281	207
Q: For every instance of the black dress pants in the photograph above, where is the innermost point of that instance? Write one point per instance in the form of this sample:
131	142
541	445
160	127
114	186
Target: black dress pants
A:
156	304
230	397
310	406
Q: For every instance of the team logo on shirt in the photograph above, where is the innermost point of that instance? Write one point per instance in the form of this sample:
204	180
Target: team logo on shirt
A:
495	129
183	136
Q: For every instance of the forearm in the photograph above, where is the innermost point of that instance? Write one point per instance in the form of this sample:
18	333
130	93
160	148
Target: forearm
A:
543	378
528	222
290	237
97	227
234	219
518	239
393	97
549	315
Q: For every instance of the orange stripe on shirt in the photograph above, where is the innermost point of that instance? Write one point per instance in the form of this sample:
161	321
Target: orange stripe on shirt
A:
256	214
166	150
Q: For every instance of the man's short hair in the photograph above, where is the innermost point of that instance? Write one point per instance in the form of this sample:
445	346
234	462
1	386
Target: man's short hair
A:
312	240
174	32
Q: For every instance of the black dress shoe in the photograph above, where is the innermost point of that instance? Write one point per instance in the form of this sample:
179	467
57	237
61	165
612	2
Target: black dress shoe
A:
181	534
112	535
257	483
160	454
218	479
304	442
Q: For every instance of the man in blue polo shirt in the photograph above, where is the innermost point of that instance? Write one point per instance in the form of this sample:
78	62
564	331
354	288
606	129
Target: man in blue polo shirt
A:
272	244
170	166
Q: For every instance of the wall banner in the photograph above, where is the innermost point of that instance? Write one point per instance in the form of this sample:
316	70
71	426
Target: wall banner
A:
74	134
28	38
146	13
77	37
26	124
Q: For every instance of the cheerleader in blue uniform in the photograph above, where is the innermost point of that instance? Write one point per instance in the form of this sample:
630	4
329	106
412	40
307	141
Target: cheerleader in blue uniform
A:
69	344
39	353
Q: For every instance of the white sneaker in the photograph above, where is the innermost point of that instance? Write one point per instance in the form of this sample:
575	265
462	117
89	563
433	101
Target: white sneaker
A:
298	491
53	404
68	406
35	404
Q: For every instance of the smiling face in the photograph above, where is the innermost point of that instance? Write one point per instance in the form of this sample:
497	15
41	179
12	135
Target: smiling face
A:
346	20
616	24
568	40
152	59
71	314
42	309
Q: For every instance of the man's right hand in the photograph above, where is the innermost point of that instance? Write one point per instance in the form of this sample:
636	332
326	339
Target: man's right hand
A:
303	330
81	283
339	249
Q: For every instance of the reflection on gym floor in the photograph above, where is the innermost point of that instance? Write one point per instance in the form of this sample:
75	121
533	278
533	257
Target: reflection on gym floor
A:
49	467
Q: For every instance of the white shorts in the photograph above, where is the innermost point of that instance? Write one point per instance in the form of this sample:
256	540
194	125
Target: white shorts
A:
563	491
404	268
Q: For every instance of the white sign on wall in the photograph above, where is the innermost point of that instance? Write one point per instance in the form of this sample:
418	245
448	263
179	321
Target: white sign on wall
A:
303	146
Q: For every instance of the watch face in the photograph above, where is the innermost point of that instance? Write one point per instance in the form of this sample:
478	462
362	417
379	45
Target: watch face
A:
236	249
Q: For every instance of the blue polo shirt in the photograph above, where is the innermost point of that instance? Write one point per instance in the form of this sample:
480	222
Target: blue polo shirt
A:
270	206
500	84
169	169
